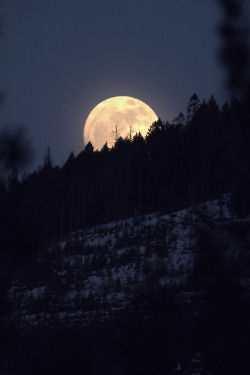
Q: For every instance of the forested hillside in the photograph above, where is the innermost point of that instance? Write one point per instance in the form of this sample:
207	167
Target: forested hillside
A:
194	158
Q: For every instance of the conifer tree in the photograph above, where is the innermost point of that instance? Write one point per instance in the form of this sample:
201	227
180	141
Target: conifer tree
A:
192	107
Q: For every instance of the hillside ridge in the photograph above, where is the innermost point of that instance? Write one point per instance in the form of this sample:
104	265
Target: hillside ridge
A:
99	271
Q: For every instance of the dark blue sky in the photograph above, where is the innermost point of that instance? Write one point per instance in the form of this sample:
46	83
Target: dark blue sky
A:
58	59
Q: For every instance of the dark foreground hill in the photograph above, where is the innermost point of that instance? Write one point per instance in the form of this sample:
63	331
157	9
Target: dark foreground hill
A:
158	294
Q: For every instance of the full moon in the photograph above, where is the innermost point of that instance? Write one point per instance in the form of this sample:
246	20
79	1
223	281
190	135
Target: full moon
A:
120	116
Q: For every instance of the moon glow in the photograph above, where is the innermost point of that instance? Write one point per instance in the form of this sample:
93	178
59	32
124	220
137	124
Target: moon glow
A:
123	112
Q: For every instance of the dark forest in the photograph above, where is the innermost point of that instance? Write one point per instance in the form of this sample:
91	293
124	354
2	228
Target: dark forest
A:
178	164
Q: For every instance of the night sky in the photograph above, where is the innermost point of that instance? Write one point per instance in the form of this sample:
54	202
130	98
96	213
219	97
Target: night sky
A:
60	58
